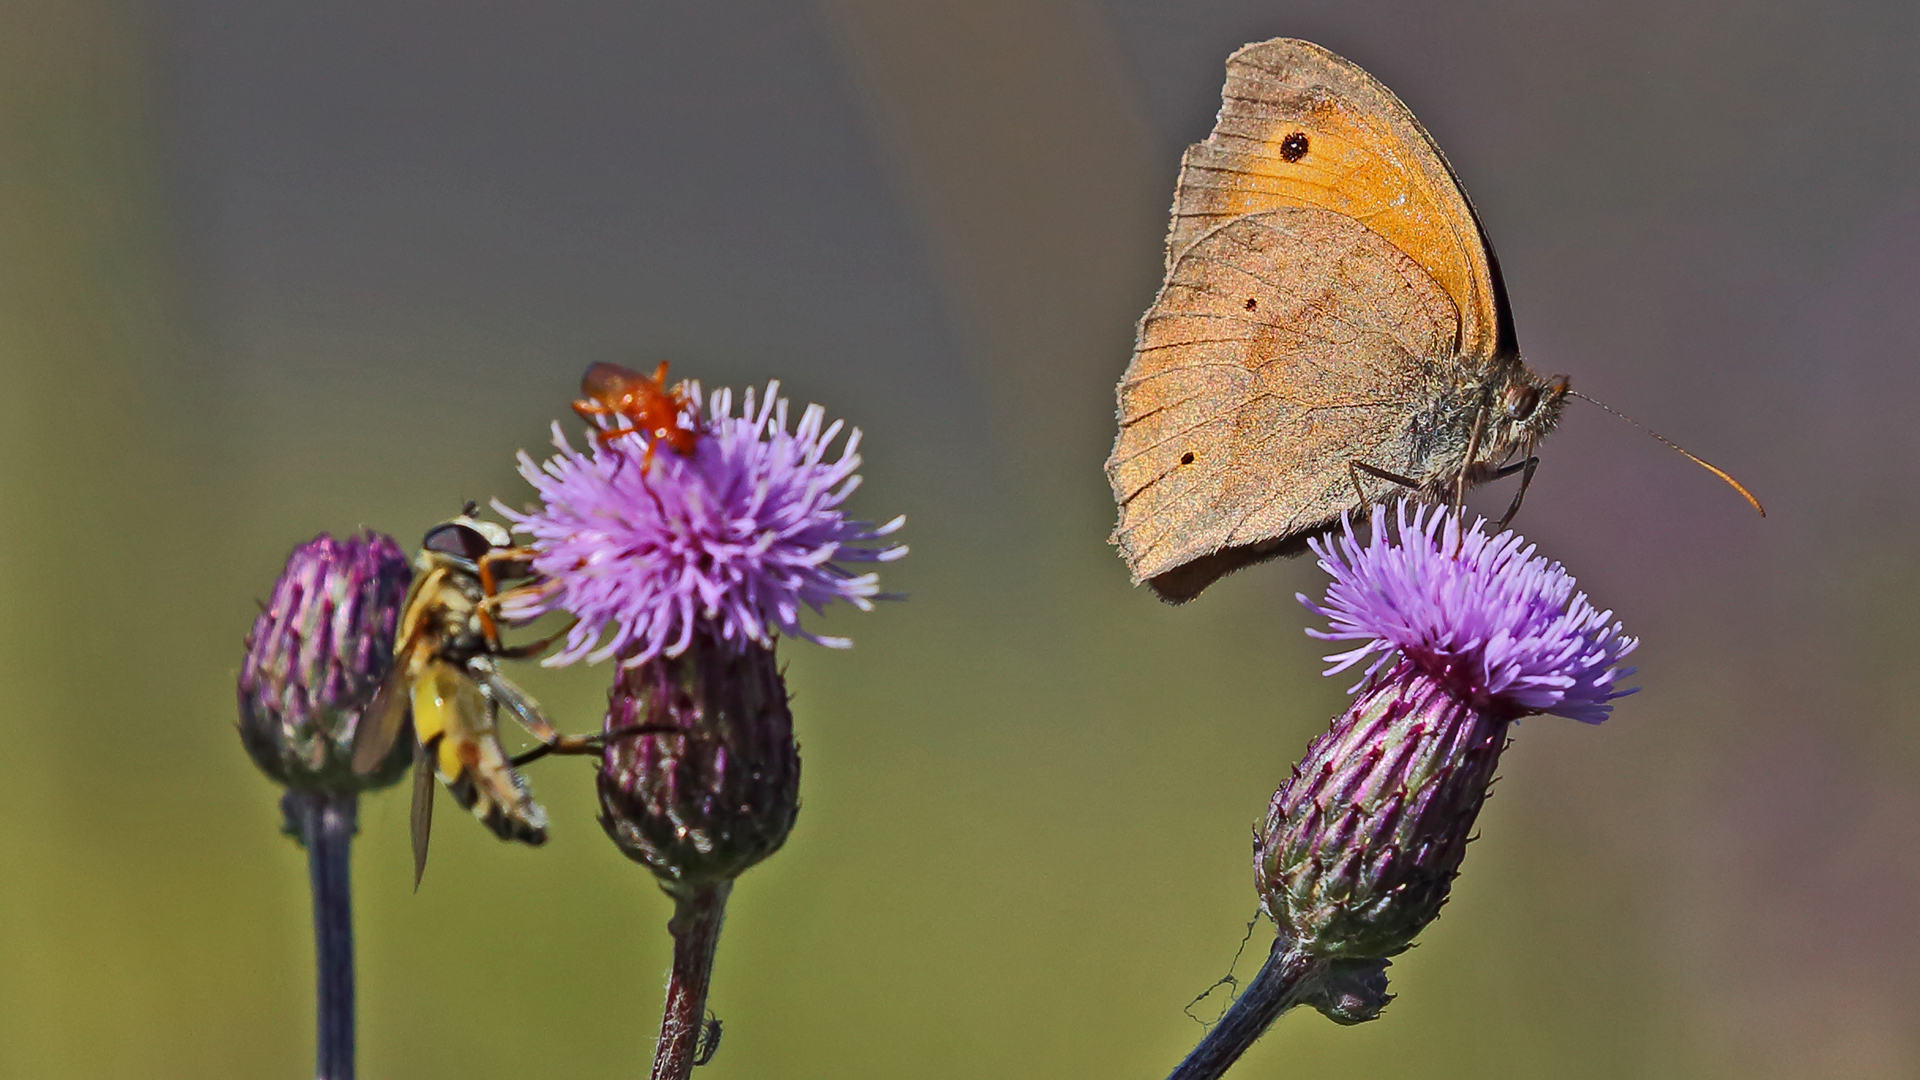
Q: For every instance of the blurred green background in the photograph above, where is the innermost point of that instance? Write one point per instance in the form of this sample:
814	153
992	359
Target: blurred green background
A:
268	269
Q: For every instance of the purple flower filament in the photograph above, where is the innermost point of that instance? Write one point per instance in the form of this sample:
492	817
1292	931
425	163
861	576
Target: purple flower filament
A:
1481	613
644	544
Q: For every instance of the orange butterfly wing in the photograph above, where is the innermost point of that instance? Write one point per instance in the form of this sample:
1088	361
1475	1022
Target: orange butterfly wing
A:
1300	126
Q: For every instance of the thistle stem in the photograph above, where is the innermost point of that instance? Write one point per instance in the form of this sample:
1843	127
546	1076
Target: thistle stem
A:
325	824
1286	979
697	915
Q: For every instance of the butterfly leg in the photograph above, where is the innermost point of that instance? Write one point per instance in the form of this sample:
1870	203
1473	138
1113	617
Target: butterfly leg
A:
1525	469
1355	468
1466	466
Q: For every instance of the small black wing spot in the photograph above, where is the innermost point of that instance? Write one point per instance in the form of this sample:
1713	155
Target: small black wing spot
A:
1186	458
1294	146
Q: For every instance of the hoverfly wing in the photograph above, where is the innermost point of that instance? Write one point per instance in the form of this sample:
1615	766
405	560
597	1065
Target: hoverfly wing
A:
517	701
383	721
422	817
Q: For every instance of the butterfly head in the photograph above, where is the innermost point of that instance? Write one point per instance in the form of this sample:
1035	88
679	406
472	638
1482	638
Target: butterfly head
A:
1530	409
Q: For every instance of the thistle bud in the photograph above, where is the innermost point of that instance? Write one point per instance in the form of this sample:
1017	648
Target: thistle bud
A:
1361	845
720	793
315	657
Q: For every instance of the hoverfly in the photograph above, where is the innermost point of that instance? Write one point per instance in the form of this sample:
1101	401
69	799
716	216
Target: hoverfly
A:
649	408
445	673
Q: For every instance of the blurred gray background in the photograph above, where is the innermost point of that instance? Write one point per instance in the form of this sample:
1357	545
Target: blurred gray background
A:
269	269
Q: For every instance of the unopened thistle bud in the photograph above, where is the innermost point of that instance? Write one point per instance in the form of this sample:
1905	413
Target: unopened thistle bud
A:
1361	845
720	792
686	566
315	657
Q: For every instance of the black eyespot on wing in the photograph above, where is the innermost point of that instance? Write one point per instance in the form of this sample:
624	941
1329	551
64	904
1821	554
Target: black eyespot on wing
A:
457	540
1186	458
1294	146
1252	304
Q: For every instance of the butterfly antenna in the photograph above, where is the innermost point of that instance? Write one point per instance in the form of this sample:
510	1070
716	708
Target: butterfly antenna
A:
1690	456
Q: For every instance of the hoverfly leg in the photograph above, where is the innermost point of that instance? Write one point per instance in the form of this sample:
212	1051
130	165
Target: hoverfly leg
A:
535	754
591	744
520	564
532	648
502	691
1525	469
638	729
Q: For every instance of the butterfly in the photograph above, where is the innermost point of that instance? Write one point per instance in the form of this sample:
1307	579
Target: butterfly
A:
1332	328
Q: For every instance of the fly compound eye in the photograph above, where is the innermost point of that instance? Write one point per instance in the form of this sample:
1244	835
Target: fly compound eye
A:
457	540
1521	401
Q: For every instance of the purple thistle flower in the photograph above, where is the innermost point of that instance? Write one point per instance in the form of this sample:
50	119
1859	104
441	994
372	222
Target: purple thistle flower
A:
1480	613
644	547
687	566
1361	844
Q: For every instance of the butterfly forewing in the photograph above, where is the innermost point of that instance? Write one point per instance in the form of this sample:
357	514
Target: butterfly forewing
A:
1300	126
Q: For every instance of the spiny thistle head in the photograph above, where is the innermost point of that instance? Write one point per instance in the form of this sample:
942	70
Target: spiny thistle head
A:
701	776
316	655
1361	845
686	556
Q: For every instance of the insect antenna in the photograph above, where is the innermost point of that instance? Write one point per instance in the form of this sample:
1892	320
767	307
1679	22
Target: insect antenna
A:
1690	456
